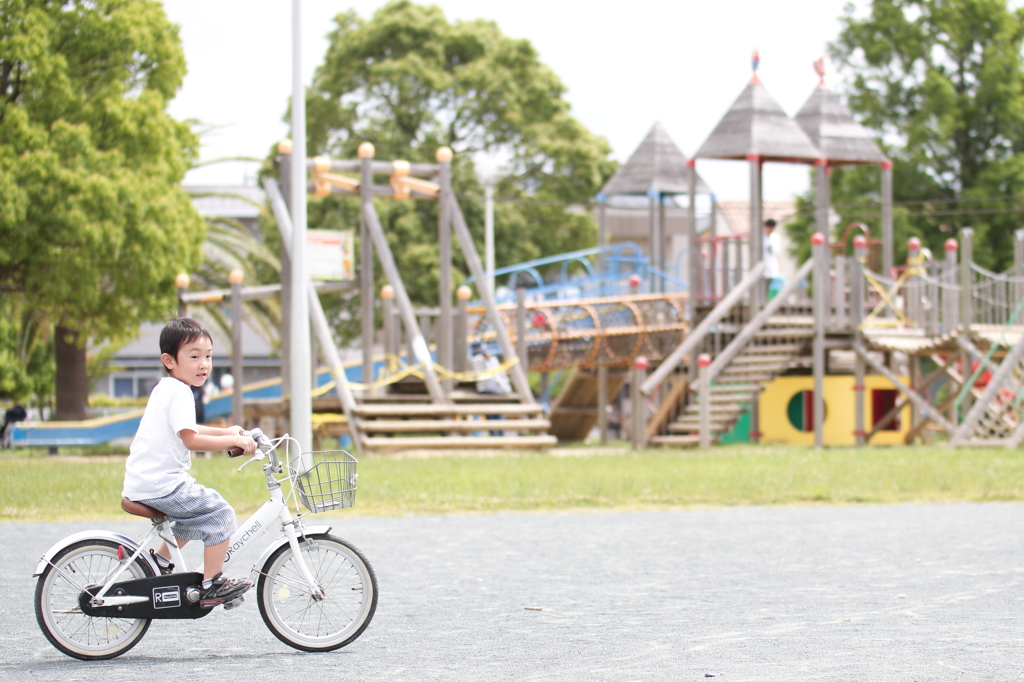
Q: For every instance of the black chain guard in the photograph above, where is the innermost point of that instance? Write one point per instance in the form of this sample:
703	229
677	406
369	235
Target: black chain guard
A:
166	598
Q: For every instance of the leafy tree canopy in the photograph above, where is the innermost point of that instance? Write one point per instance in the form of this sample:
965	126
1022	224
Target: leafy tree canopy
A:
93	224
942	83
410	81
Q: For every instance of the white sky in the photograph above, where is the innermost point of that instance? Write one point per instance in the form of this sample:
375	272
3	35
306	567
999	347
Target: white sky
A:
626	65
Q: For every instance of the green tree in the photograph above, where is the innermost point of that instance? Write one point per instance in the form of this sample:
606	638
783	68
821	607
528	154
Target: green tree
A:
26	356
410	81
942	83
93	223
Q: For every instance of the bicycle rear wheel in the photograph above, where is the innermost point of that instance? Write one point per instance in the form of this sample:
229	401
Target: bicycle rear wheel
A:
346	580
83	564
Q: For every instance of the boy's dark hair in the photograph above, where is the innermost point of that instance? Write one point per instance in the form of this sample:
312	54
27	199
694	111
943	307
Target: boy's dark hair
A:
770	222
180	331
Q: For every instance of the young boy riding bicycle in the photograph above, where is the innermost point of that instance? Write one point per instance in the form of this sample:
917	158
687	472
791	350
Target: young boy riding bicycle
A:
156	472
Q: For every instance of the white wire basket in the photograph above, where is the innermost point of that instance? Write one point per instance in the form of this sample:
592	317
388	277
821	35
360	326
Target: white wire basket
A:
324	480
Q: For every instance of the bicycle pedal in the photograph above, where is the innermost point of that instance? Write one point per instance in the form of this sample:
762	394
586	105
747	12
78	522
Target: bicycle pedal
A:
234	603
164	564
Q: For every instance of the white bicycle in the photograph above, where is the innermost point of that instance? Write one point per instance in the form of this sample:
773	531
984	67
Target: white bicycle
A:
98	591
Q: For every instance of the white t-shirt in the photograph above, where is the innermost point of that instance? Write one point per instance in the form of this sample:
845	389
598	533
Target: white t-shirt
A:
497	383
772	249
159	459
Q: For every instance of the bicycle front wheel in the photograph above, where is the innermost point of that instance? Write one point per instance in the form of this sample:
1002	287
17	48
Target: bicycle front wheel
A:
345	579
88	563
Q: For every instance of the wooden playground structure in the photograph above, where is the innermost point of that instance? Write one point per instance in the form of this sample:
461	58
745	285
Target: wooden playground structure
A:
931	347
965	320
697	362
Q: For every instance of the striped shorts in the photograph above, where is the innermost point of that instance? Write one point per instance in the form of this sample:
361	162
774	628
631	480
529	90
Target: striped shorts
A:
198	513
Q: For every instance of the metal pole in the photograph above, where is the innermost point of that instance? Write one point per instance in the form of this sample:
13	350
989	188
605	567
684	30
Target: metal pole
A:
695	277
913	290
1018	264
461	348
839	295
712	234
301	412
489	232
966	305
703	362
181	282
314	352
662	242
950	311
822	201
366	154
756	230
637	398
966	298
602	236
887	238
949	302
284	149
818	248
444	328
821	222
237	394
602	403
654	198
860	254
913	366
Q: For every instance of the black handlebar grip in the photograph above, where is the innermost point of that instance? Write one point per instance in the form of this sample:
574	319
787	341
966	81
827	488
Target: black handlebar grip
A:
235	452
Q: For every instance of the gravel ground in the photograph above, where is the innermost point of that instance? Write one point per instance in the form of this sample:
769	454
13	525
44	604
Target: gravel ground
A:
930	592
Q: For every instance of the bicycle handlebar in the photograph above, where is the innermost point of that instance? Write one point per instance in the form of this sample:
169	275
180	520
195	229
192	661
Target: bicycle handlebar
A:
264	445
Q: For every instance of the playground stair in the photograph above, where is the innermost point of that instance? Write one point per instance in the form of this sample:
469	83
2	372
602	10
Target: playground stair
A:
391	425
772	350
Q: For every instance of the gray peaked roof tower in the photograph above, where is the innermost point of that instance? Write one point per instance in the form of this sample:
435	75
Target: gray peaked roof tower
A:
833	130
755	124
657	164
844	142
657	168
756	129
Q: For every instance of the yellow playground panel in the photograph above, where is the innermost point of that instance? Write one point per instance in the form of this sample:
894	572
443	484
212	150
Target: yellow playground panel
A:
786	411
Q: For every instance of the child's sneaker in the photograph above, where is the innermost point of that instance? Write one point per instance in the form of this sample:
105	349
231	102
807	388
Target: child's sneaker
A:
222	590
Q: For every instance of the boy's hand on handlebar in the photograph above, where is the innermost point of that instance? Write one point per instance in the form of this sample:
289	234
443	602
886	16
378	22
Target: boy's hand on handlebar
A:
246	444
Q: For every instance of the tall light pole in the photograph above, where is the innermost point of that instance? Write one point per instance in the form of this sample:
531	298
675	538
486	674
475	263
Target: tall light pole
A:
301	401
489	231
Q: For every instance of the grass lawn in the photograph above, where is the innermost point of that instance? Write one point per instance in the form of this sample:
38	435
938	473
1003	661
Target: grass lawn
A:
35	487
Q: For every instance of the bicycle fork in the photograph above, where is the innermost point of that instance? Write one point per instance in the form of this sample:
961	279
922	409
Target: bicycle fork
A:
289	526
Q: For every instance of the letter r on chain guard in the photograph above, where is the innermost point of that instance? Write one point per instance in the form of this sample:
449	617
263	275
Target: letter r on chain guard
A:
166	598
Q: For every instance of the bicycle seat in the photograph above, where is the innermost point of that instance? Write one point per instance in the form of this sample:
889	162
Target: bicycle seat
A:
139	509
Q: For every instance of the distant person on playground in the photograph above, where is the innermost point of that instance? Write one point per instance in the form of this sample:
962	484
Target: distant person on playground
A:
156	472
495	382
772	244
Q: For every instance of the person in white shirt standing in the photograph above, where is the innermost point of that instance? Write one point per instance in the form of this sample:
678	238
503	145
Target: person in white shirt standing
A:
772	244
156	472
